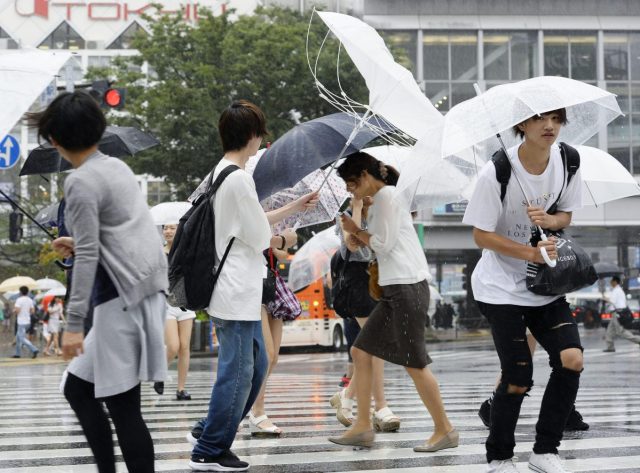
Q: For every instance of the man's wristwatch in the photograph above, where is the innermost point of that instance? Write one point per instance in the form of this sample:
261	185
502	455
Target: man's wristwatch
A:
284	242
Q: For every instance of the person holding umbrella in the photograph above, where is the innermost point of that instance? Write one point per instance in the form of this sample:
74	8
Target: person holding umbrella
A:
620	309
502	228
395	328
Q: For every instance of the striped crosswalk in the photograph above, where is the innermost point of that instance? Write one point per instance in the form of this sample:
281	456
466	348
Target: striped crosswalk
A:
39	433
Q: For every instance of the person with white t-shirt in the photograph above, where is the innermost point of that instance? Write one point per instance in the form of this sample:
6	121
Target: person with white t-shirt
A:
23	308
615	329
502	228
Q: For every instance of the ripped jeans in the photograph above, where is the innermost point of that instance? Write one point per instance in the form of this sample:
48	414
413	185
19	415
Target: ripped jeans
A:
554	328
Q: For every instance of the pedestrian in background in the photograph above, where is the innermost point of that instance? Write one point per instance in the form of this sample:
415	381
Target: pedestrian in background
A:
24	309
618	300
120	267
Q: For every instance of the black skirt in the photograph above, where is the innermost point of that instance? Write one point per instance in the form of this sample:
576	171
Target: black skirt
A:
395	328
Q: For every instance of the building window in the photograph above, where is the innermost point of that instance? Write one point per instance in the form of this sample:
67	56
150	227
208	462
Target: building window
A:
158	192
570	54
510	55
6	41
63	37
450	66
126	38
99	61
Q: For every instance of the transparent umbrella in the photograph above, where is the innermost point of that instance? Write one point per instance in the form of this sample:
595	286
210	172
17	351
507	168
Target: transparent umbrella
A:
313	259
45	284
169	213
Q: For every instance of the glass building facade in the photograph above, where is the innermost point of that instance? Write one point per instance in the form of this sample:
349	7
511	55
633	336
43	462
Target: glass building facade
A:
446	63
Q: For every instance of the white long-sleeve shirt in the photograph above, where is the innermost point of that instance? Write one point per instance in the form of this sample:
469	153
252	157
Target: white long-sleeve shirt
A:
401	259
238	292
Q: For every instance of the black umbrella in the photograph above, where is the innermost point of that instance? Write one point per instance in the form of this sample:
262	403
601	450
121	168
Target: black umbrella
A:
604	269
116	141
310	146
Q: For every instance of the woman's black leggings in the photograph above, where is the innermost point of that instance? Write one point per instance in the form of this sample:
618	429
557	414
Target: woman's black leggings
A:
133	436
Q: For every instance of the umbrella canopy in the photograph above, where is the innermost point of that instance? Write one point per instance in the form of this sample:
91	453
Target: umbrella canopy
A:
16	282
117	141
169	213
306	148
313	259
393	91
46	284
56	292
605	178
48	216
23	76
604	269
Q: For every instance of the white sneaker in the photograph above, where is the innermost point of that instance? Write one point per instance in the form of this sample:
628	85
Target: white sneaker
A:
502	466
546	463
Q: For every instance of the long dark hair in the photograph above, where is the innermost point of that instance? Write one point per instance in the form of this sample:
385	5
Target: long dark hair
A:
356	163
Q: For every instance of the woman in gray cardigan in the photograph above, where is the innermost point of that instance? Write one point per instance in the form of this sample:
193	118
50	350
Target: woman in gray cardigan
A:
119	267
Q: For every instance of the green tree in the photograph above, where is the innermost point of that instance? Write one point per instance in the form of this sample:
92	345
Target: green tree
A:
199	69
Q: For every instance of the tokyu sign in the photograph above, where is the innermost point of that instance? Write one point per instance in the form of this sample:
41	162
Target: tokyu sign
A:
107	10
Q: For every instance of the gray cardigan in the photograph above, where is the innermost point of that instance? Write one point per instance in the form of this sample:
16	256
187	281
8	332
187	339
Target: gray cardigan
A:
110	223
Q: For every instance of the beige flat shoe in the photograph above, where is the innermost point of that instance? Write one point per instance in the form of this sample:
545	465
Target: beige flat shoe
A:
450	440
362	440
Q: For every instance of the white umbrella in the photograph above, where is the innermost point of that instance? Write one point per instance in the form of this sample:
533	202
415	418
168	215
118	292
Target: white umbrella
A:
393	91
16	282
24	74
45	284
313	259
56	292
169	213
605	178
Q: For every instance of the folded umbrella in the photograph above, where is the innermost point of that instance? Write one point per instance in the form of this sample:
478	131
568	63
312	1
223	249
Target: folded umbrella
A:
308	147
117	141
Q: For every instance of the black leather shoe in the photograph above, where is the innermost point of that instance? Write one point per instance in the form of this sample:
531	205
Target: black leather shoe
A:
158	387
575	422
183	396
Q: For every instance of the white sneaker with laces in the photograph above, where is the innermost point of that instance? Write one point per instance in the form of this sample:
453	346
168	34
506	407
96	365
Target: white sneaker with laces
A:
502	466
546	463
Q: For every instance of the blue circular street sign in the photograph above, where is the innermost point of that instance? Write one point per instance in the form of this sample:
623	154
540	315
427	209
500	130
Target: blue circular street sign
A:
9	152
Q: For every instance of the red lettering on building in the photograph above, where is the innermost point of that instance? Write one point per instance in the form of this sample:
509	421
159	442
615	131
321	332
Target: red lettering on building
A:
94	9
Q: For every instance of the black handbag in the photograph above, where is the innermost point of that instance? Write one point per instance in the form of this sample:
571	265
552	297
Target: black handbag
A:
350	287
574	269
269	283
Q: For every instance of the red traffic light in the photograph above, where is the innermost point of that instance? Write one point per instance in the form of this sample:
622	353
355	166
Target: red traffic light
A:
113	98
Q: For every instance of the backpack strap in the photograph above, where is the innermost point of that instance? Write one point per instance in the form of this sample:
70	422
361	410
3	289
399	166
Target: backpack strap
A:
212	188
503	171
570	159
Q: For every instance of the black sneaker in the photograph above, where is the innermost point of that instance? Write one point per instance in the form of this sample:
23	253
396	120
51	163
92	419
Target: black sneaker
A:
226	461
35	354
158	387
575	421
183	395
196	432
485	413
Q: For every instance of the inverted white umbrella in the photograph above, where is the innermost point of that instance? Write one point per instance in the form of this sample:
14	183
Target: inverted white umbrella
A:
313	259
169	213
24	74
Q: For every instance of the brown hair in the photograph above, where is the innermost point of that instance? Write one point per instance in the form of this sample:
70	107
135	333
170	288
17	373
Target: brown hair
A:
240	122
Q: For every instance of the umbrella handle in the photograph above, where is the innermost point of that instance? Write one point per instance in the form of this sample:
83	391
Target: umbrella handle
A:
543	251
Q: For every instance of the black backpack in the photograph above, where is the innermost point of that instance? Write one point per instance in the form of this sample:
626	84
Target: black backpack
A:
570	160
192	260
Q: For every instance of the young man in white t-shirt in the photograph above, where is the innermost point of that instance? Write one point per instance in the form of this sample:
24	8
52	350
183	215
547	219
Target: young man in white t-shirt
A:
23	308
615	329
502	228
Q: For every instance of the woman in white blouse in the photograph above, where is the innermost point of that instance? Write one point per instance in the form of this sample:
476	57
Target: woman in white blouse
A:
395	328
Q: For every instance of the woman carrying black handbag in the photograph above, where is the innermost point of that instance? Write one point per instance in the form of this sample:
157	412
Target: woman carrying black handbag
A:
351	299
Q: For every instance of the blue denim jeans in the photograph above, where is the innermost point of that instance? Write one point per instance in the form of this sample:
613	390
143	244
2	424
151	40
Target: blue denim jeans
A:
21	339
242	366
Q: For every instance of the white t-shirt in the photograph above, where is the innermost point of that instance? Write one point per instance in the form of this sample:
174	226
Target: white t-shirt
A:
499	279
238	292
24	304
401	259
617	298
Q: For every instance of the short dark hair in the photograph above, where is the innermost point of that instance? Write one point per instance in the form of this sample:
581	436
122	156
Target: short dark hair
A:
24	290
74	120
561	111
240	122
616	279
356	163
